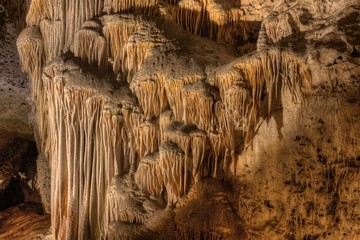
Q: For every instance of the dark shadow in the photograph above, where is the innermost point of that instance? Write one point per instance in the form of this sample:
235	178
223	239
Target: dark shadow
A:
18	191
15	11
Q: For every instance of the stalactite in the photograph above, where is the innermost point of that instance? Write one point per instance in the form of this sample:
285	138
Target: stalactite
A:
83	11
89	146
238	104
147	136
132	213
206	224
124	231
39	10
190	16
149	175
134	6
173	91
166	123
194	144
263	73
277	28
133	118
122	206
147	93
173	2
128	43
173	88
31	51
151	92
216	143
135	52
209	19
63	11
182	157
166	118
50	31
200	114
173	169
200	159
117	30
90	46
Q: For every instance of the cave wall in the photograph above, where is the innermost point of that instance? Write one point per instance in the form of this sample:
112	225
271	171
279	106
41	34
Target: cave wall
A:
152	113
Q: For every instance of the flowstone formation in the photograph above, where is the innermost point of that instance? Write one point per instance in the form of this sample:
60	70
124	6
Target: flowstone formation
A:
199	119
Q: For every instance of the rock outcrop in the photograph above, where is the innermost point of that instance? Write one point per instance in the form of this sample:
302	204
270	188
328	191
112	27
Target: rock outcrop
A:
199	119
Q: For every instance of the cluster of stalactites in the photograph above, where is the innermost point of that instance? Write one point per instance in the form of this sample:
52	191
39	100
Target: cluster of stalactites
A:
60	20
185	127
39	10
117	31
90	46
182	160
200	114
242	88
133	6
90	132
147	137
228	110
173	2
209	19
120	43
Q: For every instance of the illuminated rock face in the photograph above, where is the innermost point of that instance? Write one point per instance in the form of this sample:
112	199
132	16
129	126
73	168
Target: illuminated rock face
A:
156	125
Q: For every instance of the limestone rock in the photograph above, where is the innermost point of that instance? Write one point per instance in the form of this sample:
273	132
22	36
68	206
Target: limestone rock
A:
204	119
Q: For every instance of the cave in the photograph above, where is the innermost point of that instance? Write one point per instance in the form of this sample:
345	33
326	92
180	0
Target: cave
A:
179	119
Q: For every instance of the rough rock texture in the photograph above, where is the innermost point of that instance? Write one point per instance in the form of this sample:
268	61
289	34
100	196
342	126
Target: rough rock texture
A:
14	92
202	119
